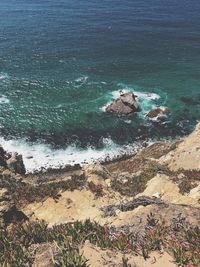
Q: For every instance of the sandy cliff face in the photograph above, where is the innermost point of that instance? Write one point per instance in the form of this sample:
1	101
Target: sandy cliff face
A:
187	154
81	205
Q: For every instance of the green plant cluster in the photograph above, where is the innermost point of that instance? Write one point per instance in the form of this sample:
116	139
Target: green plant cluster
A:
96	189
23	193
180	239
136	184
189	179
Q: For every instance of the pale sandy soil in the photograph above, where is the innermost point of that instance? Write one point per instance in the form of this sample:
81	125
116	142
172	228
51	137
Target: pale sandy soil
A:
161	186
72	206
187	154
108	258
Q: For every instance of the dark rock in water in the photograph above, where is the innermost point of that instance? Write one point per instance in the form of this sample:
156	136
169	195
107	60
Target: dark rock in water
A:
15	163
29	157
124	105
158	113
190	101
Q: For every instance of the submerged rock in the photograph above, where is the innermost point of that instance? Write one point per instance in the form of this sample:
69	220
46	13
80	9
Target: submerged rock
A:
124	105
190	101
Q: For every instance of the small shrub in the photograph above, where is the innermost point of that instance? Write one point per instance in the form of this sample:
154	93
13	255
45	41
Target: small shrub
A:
188	180
96	189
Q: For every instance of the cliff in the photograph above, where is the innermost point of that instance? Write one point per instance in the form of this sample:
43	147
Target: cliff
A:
140	211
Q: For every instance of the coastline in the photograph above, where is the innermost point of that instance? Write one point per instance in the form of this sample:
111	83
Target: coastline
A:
121	198
99	133
41	158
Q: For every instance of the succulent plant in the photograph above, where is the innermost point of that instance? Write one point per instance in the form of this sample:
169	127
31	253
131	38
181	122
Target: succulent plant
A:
179	238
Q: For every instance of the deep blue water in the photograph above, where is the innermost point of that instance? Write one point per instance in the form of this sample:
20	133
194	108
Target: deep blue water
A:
62	61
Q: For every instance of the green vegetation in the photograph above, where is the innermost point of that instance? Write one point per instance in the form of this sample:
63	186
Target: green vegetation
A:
186	179
180	239
23	193
136	184
96	189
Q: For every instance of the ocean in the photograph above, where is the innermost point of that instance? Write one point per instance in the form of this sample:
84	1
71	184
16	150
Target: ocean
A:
62	62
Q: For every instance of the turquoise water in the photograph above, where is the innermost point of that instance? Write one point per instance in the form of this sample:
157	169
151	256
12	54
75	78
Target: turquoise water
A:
62	62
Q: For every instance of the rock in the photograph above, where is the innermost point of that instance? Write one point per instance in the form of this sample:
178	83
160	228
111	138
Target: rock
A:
159	114
29	157
2	157
108	182
124	105
156	195
15	163
129	99
110	210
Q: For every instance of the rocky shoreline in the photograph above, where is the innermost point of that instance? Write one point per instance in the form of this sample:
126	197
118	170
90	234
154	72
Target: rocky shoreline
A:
135	211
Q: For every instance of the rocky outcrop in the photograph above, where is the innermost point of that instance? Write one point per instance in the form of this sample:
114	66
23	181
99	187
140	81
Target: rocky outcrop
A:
158	114
12	161
111	210
124	105
15	164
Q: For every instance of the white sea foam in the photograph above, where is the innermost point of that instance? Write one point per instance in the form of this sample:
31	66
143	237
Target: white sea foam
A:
3	76
81	81
127	121
165	116
4	99
39	156
105	106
